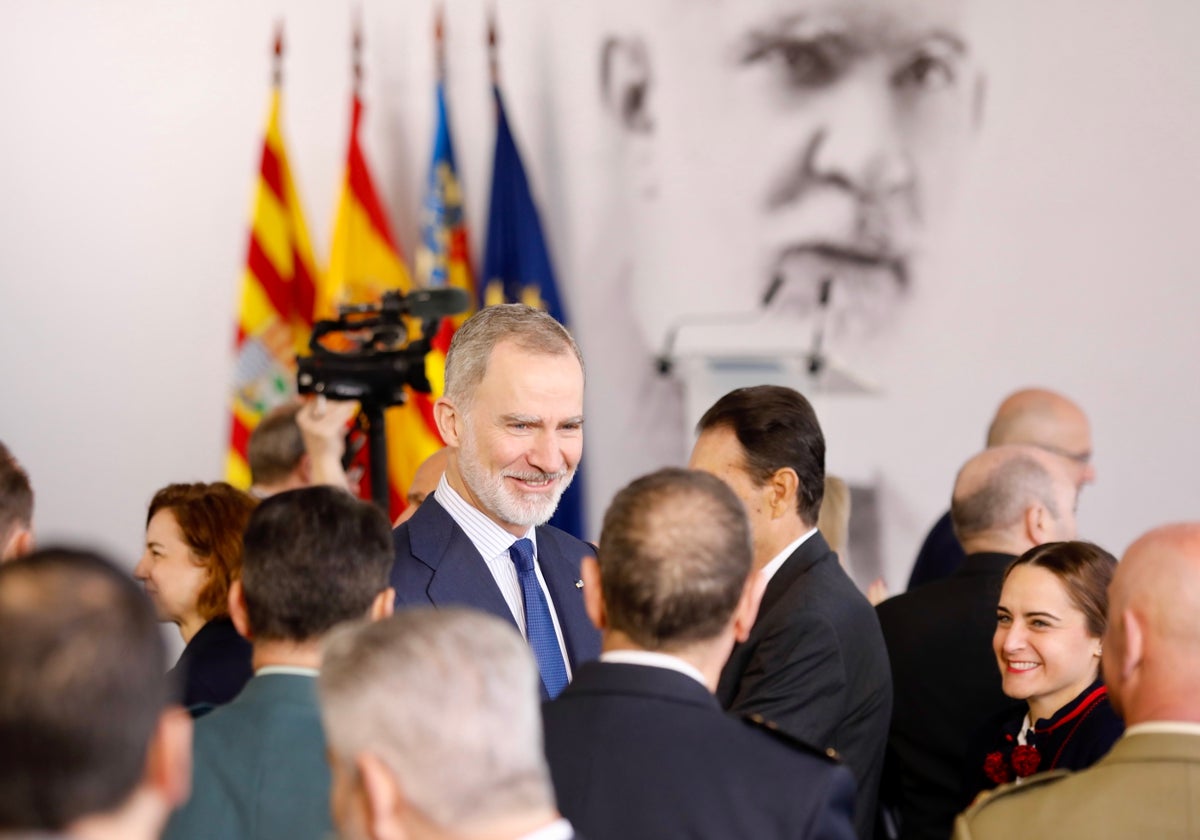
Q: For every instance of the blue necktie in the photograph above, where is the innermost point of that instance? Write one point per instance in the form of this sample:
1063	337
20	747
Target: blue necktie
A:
539	627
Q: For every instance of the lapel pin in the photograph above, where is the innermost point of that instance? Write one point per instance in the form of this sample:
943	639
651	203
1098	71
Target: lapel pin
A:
579	584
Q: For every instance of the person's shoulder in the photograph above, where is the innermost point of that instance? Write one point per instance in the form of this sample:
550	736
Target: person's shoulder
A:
768	735
1009	803
563	543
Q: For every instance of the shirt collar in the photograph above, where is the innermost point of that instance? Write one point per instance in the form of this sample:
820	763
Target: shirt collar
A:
489	539
769	570
291	670
560	829
1164	727
655	659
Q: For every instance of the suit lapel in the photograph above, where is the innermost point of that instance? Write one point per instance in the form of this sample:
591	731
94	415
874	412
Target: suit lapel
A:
460	577
561	573
794	568
801	561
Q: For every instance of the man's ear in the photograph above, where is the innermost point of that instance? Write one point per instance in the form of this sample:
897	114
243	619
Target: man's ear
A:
383	605
1131	654
238	612
448	421
304	470
625	82
385	801
593	598
782	488
169	757
20	543
1037	523
746	611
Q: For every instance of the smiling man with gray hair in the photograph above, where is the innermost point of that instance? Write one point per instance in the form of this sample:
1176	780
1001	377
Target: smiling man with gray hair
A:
512	419
434	731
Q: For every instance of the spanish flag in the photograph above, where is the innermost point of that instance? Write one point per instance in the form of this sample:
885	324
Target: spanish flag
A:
365	261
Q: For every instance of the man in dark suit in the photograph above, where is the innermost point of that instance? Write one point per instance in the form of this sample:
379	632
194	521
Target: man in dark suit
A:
1006	500
638	745
1146	785
434	731
1033	417
313	558
814	663
90	743
512	417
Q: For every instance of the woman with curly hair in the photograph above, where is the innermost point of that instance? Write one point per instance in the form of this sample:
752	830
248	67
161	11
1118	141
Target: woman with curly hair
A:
193	553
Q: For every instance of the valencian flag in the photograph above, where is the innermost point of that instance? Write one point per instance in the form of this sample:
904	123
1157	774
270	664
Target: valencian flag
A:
442	257
516	263
364	263
278	292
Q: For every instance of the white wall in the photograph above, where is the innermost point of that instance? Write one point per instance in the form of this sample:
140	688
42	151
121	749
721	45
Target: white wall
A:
128	150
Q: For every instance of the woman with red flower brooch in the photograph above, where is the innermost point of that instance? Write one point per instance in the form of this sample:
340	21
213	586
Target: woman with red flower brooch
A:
1051	616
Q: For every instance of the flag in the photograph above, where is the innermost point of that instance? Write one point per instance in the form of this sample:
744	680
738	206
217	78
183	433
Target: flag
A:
278	294
517	268
364	263
443	258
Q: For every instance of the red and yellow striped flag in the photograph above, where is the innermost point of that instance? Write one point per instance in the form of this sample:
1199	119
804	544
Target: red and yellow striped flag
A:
278	294
365	262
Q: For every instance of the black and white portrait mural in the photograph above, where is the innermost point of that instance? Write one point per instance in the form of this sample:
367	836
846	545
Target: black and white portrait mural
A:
905	208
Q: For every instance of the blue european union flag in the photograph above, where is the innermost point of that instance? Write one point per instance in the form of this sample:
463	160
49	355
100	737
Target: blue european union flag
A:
516	268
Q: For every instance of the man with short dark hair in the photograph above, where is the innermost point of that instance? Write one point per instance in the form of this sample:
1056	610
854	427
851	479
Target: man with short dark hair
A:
313	558
16	508
638	746
512	418
814	662
1006	500
1147	784
90	746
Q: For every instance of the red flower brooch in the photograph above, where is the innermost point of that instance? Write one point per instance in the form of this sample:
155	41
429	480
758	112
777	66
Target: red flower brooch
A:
1025	761
996	768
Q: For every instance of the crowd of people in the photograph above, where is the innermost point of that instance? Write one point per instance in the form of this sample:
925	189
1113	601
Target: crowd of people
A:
708	670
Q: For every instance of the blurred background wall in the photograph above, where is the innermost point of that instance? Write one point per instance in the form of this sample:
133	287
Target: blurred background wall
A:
129	136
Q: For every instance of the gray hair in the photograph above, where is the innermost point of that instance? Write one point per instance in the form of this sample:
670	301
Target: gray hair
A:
530	329
448	700
1001	500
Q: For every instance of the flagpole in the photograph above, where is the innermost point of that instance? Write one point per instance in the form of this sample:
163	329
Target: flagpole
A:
439	42
493	58
277	57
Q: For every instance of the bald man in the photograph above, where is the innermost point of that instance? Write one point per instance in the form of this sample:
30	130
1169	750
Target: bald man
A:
1032	417
1149	784
425	481
945	684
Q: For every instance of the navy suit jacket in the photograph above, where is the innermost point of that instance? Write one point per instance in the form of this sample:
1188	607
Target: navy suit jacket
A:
637	751
438	565
815	664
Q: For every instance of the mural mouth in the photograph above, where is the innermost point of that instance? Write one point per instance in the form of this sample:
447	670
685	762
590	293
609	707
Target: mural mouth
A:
852	286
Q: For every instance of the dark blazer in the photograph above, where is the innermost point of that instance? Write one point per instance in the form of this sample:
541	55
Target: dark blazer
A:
642	752
939	556
1075	737
437	564
816	666
259	767
213	667
947	685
